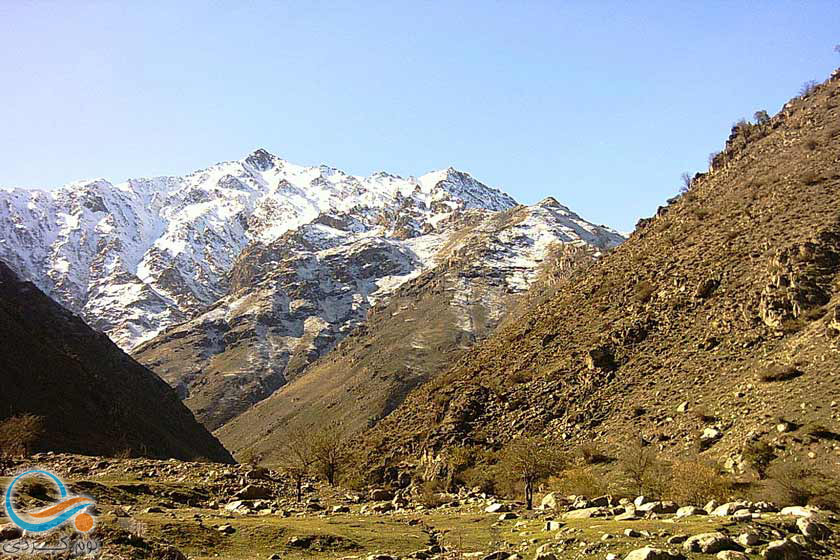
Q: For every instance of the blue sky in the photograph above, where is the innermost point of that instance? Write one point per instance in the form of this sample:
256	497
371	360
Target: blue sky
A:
600	104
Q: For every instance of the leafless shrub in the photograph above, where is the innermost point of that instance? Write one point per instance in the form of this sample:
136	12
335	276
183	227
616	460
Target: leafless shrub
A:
808	88
530	460
298	459
329	451
640	466
796	484
686	182
19	433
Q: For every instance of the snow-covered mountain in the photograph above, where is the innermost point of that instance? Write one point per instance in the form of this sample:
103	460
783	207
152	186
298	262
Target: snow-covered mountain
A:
135	257
230	281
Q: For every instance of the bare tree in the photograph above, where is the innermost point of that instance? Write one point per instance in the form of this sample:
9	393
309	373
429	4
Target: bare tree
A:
298	459
686	182
329	449
530	460
808	88
638	461
19	433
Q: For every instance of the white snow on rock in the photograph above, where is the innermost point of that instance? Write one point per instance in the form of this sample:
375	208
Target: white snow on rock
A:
136	257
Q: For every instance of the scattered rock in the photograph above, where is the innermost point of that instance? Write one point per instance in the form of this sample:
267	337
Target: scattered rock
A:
648	553
782	550
658	507
710	543
585	513
381	495
690	510
507	516
496	508
632	533
732	555
748	539
549	501
254	492
9	531
812	529
742	515
801	511
498	555
727	509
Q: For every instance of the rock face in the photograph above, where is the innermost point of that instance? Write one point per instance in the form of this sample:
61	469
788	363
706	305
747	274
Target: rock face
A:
228	282
94	398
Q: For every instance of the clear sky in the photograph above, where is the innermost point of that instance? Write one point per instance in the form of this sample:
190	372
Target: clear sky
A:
600	104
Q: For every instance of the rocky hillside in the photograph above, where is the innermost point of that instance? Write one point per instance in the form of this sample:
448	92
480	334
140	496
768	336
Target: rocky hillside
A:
94	398
292	300
422	328
715	325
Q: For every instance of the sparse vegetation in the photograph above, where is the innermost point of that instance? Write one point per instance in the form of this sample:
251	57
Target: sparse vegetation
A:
779	372
703	414
758	455
798	484
591	454
18	434
297	460
580	481
329	451
530	460
643	291
808	88
761	117
696	481
700	213
639	463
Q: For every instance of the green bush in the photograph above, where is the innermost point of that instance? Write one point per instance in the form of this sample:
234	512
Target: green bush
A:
758	455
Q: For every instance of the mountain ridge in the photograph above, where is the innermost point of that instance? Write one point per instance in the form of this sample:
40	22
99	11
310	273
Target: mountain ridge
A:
164	245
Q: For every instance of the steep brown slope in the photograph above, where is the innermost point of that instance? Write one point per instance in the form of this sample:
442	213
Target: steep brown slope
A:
95	399
418	333
737	278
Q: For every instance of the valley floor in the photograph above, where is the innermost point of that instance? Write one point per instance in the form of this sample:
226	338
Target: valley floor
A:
174	510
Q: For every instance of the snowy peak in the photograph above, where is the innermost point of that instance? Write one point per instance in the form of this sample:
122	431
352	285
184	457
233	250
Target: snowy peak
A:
134	257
